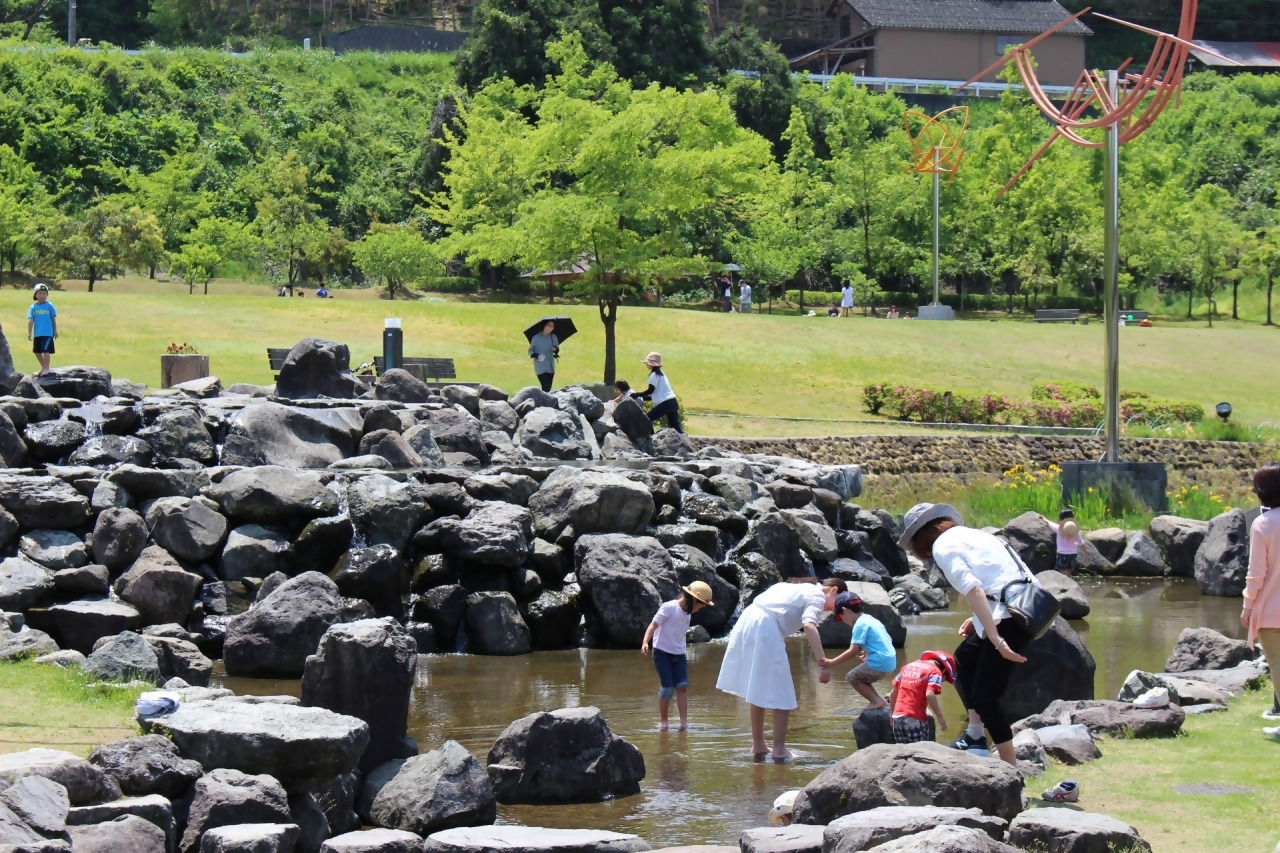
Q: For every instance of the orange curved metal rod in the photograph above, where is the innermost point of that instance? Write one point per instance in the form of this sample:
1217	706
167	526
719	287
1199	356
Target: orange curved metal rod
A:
1022	49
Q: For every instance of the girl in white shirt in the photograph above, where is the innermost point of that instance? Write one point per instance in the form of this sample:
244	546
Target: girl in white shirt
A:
660	393
665	636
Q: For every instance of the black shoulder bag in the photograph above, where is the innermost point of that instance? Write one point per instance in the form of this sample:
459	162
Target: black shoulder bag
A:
1030	605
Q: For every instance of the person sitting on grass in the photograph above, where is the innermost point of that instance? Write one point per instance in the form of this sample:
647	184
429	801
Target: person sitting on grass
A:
870	643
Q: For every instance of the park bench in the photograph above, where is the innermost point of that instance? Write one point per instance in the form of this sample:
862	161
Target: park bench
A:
1053	315
433	371
276	357
1134	316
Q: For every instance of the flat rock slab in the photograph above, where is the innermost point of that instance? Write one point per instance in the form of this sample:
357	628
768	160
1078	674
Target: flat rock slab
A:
797	838
531	839
1069	831
300	747
1237	679
373	841
1206	708
867	829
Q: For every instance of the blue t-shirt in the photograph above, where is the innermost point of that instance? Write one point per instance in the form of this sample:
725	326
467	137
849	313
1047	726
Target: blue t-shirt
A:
869	633
43	315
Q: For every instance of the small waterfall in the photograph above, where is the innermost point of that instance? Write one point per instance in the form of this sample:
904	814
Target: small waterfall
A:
338	485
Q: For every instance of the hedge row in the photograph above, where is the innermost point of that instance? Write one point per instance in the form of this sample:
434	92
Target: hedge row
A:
909	302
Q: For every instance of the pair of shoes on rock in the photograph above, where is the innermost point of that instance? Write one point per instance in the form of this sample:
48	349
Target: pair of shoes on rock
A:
1066	791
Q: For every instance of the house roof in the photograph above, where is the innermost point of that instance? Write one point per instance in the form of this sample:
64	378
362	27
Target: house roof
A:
1010	17
1251	54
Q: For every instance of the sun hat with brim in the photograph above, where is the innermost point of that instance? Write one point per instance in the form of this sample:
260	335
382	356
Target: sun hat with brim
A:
699	590
653	359
920	515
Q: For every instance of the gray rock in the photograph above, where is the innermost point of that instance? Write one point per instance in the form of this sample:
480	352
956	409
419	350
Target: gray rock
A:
1029	748
1179	540
423	442
1074	831
251	838
147	765
632	421
385	511
158	587
186	528
53	549
876	603
498	414
90	580
670	444
124	657
1118	719
80	382
554	618
773	539
300	747
152	808
366	670
532	839
69	659
1235	680
201	389
391	446
254	551
119	535
83	782
1070	744
872	727
41	803
181	659
275	636
915	594
796	838
590	502
80	624
336	799
401	386
23	584
552	434
269	494
271	434
624	580
375	574
506	487
1032	537
920	773
229	797
26	643
563	756
361	463
318	368
493	534
1182	691
1141	558
1058	666
148	483
374	841
50	441
180	434
946	839
864	830
13	450
8	528
442	789
1109	541
321	543
1205	648
816	538
715	511
457	431
127	832
1075	605
43	502
495	626
1223	559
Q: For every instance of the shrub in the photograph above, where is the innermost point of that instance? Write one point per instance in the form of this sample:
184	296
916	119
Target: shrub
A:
1064	392
1154	411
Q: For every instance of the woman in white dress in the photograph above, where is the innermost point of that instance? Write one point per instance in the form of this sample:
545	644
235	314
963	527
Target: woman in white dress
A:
755	666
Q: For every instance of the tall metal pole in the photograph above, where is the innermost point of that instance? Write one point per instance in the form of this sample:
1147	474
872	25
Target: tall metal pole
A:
1111	272
71	23
937	159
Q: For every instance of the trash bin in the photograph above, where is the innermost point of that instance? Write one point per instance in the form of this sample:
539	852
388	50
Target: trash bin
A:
392	344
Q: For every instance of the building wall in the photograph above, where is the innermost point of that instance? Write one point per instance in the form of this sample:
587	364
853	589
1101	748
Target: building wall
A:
939	55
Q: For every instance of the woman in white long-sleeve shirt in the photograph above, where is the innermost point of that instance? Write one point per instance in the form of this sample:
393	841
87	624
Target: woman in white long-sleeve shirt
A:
660	394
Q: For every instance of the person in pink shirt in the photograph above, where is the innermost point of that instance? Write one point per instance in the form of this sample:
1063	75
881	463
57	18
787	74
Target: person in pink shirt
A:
1069	540
1261	613
665	637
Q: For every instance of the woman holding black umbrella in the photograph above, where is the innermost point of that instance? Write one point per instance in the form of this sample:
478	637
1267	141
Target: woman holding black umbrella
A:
544	347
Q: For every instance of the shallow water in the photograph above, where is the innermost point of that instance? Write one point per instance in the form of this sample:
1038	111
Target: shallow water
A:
701	786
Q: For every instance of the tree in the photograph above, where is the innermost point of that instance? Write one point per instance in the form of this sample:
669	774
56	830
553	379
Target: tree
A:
625	182
171	195
756	78
1263	260
287	220
508	39
210	244
1208	238
397	253
662	42
106	240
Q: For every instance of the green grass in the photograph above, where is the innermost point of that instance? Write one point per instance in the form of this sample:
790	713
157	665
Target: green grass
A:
1134	781
760	366
48	706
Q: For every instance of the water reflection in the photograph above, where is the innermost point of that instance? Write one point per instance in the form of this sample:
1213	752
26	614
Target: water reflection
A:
702	786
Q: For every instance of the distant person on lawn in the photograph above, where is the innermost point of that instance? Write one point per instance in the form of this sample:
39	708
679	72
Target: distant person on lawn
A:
42	327
846	300
744	298
544	349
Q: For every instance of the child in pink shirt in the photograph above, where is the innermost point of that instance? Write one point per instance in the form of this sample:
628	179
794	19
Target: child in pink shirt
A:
1069	540
1261	613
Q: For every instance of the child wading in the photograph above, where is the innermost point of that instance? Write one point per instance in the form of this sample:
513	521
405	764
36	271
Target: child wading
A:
872	646
666	636
920	683
1069	540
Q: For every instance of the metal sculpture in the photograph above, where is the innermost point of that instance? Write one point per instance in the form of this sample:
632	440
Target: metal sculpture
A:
936	148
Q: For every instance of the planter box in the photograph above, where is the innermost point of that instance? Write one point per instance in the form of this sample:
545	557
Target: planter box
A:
175	369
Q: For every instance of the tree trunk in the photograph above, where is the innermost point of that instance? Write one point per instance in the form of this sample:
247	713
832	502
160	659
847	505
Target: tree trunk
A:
1212	303
93	276
206	287
1235	290
608	306
1191	292
151	274
1270	283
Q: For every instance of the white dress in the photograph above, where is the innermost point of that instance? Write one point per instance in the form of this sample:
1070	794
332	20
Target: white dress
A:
755	665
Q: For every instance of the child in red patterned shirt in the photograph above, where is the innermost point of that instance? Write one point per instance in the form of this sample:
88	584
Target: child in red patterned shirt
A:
917	684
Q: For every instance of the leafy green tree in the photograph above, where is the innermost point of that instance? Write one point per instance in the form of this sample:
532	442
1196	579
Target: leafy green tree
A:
763	96
172	195
106	240
397	253
1209	237
288	222
658	41
508	39
196	263
1263	260
20	18
210	244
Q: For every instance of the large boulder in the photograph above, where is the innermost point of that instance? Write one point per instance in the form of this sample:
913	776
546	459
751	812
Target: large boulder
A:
1032	537
1141	558
1074	831
50	441
631	419
457	431
161	589
374	841
119	535
916	774
392	447
126	832
43	502
1180	540
1075	605
537	839
80	624
493	534
365	669
107	450
254	551
252	838
563	756
186	528
1182	691
1058	666
41	803
147	765
1223	559
864	830
1068	743
772	538
269	494
301	747
946	839
589	502
1117	719
180	434
148	483
23	584
1205	648
53	549
79	382
275	636
553	434
385	511
83	782
376	574
318	368
495	626
271	434
445	788
226	797
124	657
401	386
27	643
624	580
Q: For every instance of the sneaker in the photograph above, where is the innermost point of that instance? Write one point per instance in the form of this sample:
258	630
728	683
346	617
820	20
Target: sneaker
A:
1273	714
1272	732
1156	697
966	743
1066	791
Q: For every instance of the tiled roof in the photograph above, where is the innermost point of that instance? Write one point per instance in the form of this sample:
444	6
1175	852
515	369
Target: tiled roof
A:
1013	17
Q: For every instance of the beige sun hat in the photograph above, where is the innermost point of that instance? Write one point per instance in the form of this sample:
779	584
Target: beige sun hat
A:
920	515
653	359
699	590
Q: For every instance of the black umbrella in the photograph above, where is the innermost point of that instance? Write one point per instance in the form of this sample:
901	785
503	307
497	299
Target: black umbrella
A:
564	328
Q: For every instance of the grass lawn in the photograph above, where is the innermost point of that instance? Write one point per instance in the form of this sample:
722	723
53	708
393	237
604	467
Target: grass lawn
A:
48	706
761	366
1134	781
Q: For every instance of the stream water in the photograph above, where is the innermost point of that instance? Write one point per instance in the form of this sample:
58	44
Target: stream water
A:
701	786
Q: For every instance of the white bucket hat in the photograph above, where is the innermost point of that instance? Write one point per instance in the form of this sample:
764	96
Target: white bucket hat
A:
920	515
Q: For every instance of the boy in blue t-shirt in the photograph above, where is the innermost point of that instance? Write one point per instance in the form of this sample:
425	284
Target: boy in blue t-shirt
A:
871	644
42	326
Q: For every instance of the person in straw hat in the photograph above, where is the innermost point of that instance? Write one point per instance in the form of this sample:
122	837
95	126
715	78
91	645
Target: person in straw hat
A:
1068	540
665	638
660	394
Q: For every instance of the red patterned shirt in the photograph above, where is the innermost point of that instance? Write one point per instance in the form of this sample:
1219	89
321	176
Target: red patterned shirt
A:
916	679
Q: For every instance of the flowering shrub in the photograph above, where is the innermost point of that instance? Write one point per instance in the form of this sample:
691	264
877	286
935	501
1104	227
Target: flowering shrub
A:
1059	414
183	348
